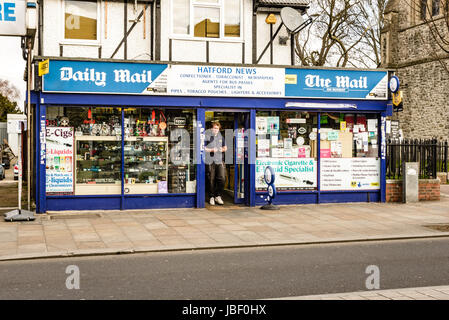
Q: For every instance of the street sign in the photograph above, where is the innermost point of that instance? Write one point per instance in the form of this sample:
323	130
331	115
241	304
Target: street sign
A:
12	18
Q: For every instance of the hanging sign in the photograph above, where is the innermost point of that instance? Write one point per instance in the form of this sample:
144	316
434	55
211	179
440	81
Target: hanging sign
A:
12	17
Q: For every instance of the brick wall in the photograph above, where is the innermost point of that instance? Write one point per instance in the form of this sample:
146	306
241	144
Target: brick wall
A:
429	189
412	52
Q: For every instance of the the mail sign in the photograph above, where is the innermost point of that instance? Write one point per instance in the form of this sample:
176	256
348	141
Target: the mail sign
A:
12	18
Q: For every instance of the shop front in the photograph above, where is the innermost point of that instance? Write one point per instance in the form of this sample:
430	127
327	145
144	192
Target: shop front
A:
116	135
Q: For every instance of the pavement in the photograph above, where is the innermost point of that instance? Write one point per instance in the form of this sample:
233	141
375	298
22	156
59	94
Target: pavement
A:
80	233
421	293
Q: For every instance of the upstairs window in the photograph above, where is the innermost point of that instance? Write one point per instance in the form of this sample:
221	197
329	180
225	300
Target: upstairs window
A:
209	18
435	7
423	9
81	20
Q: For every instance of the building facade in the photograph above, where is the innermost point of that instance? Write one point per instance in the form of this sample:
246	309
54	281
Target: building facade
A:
231	31
121	113
409	48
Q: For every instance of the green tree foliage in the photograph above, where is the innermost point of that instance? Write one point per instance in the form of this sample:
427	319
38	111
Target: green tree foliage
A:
8	94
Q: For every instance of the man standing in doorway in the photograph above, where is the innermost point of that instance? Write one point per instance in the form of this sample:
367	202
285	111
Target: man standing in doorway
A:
215	146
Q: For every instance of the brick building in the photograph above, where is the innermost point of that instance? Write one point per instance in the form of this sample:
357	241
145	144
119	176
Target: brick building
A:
409	48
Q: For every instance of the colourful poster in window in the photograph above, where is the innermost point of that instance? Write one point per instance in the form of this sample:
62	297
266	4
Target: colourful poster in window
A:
325	153
59	160
290	173
273	125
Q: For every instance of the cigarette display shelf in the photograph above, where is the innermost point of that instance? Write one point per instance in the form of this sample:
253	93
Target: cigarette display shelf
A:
98	165
146	164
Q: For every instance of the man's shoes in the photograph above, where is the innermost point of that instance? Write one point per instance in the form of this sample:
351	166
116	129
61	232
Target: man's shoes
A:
219	200
212	201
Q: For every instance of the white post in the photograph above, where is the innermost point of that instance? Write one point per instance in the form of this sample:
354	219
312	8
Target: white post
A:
19	162
30	52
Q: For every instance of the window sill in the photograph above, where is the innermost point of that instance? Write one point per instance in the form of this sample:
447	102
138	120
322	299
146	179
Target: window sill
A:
225	40
80	43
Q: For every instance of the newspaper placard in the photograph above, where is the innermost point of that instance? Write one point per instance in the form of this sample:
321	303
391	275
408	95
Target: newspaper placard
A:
59	164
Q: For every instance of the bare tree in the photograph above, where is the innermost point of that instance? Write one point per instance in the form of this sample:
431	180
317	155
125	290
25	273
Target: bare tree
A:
8	94
346	33
8	90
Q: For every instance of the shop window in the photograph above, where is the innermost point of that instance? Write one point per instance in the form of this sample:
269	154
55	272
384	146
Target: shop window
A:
159	151
346	135
210	18
286	141
81	20
83	150
349	151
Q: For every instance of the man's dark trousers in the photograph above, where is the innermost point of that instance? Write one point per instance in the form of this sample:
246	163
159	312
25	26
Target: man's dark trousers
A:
216	179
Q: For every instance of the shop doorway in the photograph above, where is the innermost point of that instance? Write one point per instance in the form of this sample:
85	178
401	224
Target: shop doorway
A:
233	130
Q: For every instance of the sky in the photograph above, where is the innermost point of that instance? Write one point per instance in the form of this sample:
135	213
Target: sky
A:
12	65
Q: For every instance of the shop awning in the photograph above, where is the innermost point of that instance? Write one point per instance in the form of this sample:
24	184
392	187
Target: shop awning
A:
308	105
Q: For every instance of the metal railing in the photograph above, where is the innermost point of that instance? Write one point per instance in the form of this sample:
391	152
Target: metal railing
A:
431	154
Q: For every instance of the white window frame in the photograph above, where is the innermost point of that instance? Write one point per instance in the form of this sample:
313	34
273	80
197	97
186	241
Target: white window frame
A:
220	5
96	42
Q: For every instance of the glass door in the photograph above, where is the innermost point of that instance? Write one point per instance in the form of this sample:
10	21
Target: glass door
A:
240	156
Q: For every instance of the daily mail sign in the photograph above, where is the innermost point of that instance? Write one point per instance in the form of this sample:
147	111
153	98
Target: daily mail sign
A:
220	81
12	18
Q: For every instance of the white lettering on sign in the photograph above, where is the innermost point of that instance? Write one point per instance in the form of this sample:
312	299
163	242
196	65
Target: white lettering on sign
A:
99	78
315	81
126	76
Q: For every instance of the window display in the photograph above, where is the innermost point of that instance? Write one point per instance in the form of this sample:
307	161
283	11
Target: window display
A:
98	160
286	141
346	135
349	152
158	151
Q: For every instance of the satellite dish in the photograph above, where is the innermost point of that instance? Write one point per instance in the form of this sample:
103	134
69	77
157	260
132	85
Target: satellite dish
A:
291	18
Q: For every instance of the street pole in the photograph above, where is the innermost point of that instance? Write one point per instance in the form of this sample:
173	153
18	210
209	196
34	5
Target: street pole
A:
29	123
19	161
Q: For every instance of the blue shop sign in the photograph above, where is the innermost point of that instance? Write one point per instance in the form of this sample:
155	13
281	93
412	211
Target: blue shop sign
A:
101	77
200	80
336	84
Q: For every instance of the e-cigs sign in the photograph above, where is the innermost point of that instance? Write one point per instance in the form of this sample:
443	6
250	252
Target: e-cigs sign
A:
12	17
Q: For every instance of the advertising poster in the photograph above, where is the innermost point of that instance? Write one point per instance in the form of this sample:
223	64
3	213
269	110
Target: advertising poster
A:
350	174
273	125
261	125
291	173
59	165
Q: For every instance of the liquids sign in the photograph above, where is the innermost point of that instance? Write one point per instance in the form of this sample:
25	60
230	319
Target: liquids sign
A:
12	18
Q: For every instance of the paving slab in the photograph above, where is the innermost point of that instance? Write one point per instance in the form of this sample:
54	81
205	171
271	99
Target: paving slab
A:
77	232
390	294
